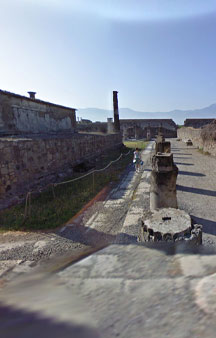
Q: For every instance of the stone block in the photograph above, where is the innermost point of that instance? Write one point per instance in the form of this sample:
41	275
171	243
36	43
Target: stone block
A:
162	147
170	225
163	182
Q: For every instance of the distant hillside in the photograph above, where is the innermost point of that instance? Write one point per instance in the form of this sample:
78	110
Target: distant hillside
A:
96	114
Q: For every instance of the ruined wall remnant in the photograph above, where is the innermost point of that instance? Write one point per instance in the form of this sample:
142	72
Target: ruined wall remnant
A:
163	182
29	163
197	123
169	225
201	138
147	128
21	115
99	127
110	125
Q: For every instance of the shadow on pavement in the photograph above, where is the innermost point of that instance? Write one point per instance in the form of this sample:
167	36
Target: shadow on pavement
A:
181	163
196	190
208	225
189	173
92	237
16	323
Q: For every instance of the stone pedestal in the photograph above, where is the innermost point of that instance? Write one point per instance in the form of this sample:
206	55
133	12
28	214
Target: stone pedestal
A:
170	225
160	138
162	147
110	125
163	182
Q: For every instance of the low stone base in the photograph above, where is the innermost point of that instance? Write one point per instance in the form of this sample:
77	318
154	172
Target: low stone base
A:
170	225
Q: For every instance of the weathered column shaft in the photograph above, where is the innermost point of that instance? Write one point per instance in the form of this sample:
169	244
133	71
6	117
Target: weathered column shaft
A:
163	182
116	112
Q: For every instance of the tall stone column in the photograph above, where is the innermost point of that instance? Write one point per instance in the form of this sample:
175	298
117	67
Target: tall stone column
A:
116	112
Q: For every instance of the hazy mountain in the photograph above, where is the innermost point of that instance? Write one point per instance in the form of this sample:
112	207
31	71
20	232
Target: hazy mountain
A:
96	114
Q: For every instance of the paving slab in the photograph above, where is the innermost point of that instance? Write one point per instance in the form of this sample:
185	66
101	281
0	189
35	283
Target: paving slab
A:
121	291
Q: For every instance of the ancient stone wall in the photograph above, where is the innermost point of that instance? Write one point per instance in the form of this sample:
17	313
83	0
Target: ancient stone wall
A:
197	123
29	163
186	133
100	127
20	114
138	128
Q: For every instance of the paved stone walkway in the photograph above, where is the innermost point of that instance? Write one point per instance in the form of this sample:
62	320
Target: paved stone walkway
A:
196	188
126	289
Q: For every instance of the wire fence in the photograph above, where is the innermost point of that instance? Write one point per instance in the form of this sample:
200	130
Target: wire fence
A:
56	203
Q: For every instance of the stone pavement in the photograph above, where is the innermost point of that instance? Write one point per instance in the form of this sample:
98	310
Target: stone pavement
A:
121	291
196	187
124	290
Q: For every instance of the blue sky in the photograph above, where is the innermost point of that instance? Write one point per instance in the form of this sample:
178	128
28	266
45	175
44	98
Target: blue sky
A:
160	54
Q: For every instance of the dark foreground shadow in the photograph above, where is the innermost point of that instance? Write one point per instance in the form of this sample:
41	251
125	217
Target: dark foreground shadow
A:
92	237
16	323
208	225
196	190
189	173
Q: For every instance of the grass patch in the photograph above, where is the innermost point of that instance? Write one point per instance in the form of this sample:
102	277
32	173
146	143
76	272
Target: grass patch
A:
48	212
136	144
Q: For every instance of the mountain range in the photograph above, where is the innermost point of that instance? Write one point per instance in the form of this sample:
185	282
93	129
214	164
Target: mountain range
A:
97	114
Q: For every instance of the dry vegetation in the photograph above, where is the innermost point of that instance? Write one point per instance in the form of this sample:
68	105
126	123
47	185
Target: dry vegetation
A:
208	133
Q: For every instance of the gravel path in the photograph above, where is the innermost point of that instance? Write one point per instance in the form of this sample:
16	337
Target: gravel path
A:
196	187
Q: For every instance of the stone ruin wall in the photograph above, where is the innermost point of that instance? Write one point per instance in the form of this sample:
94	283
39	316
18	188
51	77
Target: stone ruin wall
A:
197	123
129	127
194	134
29	163
21	115
100	127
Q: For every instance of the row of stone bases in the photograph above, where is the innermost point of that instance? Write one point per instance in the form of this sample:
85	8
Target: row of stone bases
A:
164	221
